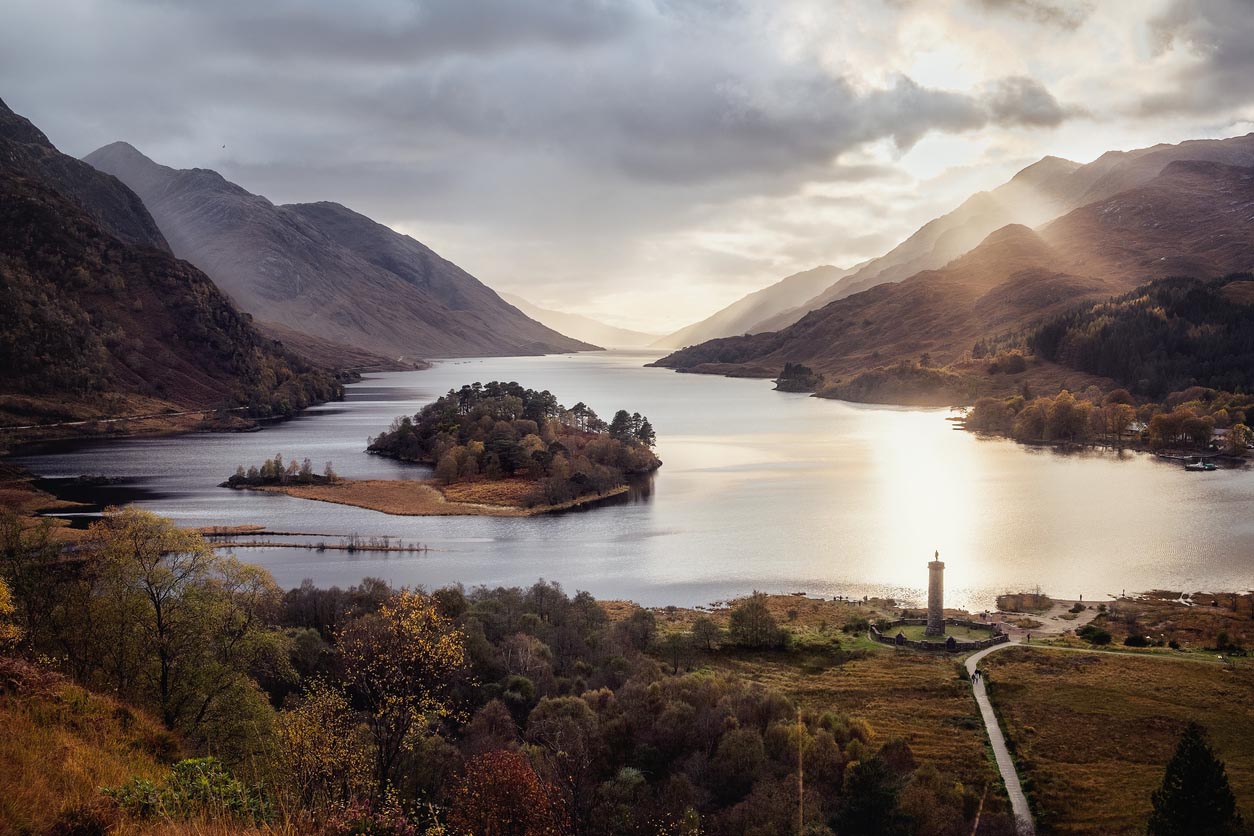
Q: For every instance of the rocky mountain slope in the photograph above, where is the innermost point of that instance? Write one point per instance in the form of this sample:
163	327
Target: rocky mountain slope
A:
98	318
582	327
1194	218
325	270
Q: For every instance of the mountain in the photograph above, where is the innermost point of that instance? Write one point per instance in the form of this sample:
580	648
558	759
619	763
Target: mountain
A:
108	202
744	315
98	318
1044	190
582	327
325	270
1193	218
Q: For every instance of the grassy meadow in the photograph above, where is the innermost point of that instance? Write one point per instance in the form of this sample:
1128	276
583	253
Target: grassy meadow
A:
1093	731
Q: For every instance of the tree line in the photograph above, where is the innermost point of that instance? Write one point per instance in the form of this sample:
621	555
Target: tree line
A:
1165	336
275	471
1185	420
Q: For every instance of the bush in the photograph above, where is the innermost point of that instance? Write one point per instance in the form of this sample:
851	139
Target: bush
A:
1077	607
1136	641
857	624
1095	635
364	818
196	787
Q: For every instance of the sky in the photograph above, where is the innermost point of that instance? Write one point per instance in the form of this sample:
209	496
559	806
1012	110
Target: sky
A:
644	162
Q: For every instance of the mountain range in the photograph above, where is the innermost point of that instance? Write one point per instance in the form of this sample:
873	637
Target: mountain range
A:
98	318
1041	192
322	269
1190	217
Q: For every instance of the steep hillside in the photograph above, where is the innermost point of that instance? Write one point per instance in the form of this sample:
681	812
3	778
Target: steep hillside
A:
103	197
745	315
92	326
1044	190
1193	218
61	744
325	270
582	327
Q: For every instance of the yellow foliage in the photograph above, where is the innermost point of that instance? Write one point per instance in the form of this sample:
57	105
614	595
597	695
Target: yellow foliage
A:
9	633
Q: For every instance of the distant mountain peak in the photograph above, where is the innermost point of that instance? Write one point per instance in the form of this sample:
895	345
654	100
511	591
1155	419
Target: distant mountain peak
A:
323	269
1045	168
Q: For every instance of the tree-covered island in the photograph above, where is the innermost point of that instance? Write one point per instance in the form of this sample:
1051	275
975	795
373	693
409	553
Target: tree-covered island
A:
489	432
498	449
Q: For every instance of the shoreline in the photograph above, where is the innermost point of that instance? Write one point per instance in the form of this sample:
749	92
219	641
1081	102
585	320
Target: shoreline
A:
422	499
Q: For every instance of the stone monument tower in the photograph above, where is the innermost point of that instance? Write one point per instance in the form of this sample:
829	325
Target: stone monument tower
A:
935	597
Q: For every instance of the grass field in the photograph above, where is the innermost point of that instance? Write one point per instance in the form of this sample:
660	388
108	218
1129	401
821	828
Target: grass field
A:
1093	731
61	744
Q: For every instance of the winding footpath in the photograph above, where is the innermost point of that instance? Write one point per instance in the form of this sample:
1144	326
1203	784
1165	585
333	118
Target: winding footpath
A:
1052	625
1024	825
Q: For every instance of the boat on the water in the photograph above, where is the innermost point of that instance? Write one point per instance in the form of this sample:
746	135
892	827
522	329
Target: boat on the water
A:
1199	466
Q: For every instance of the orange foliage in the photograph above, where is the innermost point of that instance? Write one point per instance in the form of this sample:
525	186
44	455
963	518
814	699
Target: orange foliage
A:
500	794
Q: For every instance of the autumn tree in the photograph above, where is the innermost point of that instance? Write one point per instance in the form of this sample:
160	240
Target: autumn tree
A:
1239	439
38	580
176	624
706	633
500	794
1194	798
869	805
319	751
752	625
400	664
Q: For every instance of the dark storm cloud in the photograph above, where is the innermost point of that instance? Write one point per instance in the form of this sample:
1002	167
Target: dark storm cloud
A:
1065	14
573	126
1220	36
388	31
679	93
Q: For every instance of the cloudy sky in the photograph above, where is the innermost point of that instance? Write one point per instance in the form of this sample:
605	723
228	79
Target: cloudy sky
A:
642	161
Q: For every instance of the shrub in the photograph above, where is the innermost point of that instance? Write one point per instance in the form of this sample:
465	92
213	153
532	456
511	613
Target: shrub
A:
196	787
1136	641
363	818
857	624
1095	635
1077	607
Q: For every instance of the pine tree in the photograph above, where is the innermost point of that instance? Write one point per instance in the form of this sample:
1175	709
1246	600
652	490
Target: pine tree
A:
1194	799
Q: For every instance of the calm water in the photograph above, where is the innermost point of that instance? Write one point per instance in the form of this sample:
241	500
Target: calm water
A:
760	490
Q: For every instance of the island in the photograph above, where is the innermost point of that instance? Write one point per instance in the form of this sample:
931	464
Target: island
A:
498	449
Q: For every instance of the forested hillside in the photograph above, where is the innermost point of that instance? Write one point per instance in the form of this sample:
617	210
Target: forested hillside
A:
93	326
1161	338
